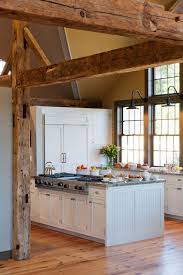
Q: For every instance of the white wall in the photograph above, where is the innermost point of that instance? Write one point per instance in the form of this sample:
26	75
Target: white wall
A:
5	170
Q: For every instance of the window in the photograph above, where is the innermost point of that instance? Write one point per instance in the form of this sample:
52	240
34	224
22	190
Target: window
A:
132	138
2	63
166	147
166	76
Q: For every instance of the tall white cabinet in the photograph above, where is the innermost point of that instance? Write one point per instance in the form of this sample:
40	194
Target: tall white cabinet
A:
71	137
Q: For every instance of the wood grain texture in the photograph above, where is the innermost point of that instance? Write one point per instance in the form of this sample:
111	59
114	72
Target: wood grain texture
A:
139	18
55	253
21	147
133	58
36	48
57	102
5	81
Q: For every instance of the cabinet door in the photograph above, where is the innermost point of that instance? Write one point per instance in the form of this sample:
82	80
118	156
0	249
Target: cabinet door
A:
172	199
35	206
55	210
75	146
53	145
81	215
68	205
179	201
97	218
44	207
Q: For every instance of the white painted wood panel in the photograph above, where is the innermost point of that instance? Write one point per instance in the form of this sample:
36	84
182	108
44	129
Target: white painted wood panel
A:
75	146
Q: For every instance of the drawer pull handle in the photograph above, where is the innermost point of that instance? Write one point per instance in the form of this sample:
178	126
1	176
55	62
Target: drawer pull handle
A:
179	180
179	189
72	199
48	195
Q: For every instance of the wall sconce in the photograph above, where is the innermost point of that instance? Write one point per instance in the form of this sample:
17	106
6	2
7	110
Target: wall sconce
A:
132	105
168	100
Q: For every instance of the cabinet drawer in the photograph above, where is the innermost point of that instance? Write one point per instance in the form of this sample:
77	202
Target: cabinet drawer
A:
174	179
97	193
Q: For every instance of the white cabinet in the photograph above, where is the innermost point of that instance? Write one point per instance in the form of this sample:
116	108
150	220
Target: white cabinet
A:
53	145
81	215
75	147
68	205
35	205
55	210
50	208
66	146
44	207
97	219
174	195
75	213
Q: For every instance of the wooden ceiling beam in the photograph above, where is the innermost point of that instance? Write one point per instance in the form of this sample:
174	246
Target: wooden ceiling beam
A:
5	81
36	48
133	58
55	102
137	18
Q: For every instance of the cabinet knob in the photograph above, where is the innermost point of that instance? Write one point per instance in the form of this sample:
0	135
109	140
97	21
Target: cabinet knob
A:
97	193
90	201
48	195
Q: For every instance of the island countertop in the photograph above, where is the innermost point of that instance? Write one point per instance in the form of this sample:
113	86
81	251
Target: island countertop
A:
125	183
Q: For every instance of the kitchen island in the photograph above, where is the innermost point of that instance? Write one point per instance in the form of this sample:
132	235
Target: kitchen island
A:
110	213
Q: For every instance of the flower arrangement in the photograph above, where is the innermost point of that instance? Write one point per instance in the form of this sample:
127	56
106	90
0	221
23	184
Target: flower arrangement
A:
110	151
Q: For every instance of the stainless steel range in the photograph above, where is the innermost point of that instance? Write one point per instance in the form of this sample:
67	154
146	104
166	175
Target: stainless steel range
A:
65	182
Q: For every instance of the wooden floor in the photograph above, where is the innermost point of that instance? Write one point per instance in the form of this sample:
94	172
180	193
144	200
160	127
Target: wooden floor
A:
55	253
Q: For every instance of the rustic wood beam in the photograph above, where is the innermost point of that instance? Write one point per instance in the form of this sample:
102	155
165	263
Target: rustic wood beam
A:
21	147
7	66
5	81
34	45
134	58
177	7
138	18
57	102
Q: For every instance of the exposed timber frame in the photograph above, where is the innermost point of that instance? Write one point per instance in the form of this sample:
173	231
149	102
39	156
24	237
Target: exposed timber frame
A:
137	18
21	147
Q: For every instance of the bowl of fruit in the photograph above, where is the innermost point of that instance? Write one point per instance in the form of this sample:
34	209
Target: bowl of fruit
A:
94	171
82	170
134	178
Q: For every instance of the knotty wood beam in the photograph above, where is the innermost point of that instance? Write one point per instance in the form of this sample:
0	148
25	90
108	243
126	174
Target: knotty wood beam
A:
5	80
21	147
8	65
34	45
53	102
138	57
138	18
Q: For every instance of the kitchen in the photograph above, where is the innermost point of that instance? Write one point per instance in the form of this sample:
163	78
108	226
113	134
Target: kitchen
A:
98	117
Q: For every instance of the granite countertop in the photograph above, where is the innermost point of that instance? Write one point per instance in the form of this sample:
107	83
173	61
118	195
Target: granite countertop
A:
138	170
125	183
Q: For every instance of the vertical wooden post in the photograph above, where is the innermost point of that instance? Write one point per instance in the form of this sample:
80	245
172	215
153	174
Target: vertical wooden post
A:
21	148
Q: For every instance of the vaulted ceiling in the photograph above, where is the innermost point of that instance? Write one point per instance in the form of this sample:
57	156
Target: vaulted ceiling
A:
81	43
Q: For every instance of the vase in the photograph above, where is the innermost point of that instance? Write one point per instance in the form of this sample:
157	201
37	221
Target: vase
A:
110	162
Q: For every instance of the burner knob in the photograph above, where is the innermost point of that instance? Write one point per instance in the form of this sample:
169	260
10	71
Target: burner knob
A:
60	184
81	188
76	187
66	185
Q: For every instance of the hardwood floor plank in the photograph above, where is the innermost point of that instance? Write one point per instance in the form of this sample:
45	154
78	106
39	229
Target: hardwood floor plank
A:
56	253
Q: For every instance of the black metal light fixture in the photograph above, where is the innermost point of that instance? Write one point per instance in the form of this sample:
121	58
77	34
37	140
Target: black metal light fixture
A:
132	105
168	100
